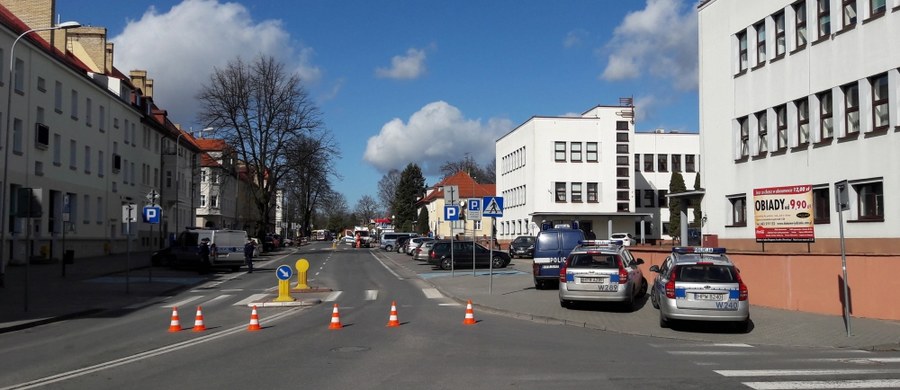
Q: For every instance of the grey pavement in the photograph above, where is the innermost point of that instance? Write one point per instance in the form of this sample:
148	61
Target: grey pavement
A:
92	286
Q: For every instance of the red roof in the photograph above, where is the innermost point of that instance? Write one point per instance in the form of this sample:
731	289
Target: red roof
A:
207	161
210	144
468	188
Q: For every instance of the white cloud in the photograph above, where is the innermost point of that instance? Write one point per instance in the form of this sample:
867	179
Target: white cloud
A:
410	66
574	38
179	49
644	107
434	135
660	39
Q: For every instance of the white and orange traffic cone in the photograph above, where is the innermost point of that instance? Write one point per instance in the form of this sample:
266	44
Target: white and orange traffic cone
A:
174	325
198	322
470	314
335	319
392	320
254	320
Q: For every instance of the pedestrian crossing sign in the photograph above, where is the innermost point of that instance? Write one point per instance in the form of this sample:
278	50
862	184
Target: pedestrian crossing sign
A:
492	206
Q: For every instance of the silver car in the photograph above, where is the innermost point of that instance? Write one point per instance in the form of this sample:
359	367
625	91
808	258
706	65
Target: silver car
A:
600	270
414	242
703	284
421	252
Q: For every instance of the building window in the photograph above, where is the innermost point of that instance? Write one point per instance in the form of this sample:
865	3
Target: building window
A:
689	163
781	123
745	136
102	119
591	154
575	150
87	159
622	148
780	42
57	149
560	148
74	103
742	51
800	24
20	76
870	200
622	160
676	163
88	106
821	206
576	192
73	154
622	184
101	164
662	162
880	101
17	136
637	162
592	193
877	7
802	121
738	210
203	176
826	122
560	191
648	163
57	97
621	137
637	199
202	200
824	18
622	172
851	107
621	125
622	195
760	43
661	199
649	198
762	131
213	201
849	15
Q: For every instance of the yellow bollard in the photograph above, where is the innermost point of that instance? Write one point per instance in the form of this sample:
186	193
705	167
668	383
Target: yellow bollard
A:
302	266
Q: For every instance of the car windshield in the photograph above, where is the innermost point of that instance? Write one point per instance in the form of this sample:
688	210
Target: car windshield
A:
705	273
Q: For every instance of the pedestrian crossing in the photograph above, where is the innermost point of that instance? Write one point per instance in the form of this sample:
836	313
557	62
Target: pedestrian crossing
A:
239	297
776	368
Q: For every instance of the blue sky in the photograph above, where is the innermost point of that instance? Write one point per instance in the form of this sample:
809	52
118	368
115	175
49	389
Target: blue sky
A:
420	81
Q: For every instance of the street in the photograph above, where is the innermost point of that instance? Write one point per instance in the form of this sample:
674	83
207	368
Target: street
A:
431	348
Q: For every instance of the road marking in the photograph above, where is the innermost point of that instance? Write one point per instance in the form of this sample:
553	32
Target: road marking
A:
449	304
183	302
854	360
232	289
706	345
371	295
332	297
250	299
140	356
385	266
718	353
847	384
432	293
806	372
218	298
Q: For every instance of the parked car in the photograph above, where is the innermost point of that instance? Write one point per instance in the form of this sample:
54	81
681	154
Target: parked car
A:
226	249
421	253
389	240
414	243
401	243
601	271
349	240
440	255
522	246
551	247
700	284
626	238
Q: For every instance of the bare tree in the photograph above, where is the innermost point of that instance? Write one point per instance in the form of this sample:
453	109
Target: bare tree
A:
387	189
312	166
366	209
259	108
481	175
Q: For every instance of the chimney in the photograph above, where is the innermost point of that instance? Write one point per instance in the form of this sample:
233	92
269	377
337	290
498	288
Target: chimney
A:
89	45
138	78
148	91
109	57
35	14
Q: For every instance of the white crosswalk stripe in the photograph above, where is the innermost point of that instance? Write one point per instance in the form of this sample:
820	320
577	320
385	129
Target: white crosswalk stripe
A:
845	384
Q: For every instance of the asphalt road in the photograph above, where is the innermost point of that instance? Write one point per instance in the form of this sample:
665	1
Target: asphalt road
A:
430	349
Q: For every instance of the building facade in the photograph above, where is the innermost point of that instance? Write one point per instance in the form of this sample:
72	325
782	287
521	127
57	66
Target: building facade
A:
217	185
435	200
658	155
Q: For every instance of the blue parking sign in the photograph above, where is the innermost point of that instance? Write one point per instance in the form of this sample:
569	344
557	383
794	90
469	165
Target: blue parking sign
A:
451	213
151	214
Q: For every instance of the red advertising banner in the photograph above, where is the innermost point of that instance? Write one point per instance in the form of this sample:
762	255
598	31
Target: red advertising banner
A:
784	214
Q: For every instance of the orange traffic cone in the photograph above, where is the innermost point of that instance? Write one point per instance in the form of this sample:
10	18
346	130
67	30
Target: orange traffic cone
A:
198	322
174	326
254	320
470	315
392	320
335	319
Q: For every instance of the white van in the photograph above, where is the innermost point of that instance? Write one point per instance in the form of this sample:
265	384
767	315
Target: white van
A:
227	252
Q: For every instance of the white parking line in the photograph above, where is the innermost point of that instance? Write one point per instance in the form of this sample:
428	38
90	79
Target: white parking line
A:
432	293
371	295
847	384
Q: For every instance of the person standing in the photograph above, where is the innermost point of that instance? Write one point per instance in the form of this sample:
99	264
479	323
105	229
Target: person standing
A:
249	248
204	256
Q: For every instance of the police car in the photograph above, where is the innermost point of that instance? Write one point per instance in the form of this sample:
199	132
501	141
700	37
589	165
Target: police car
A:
699	283
601	270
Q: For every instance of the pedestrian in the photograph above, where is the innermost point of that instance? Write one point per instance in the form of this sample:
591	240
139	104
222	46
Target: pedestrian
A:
591	235
204	256
249	248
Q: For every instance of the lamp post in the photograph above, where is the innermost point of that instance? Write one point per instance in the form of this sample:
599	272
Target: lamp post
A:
4	203
177	174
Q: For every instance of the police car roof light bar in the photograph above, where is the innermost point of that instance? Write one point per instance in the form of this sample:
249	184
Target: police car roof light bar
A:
600	242
697	249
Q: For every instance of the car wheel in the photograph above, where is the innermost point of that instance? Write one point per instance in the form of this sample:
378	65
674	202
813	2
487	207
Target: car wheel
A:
643	290
498	262
653	300
389	248
663	321
446	264
742	326
565	303
538	284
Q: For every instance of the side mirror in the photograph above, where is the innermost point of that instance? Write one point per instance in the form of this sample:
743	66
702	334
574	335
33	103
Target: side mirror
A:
639	261
654	268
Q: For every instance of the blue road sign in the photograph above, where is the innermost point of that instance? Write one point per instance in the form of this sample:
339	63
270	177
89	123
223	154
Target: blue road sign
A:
493	206
451	213
284	272
151	214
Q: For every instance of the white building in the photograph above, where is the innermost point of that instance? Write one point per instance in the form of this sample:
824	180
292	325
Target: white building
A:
657	156
218	185
569	170
801	93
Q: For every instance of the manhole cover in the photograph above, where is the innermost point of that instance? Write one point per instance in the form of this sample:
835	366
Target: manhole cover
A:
350	349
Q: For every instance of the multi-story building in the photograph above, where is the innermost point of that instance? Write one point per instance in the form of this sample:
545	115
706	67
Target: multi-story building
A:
801	93
218	185
436	198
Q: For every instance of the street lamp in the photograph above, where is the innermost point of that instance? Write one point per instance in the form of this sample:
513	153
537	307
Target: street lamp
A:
11	81
177	174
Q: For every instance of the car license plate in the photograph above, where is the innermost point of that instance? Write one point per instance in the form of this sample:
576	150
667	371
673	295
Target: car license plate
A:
608	287
708	297
593	280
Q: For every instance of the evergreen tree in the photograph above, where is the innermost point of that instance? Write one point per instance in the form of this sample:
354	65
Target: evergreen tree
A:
698	211
423	224
409	190
676	185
